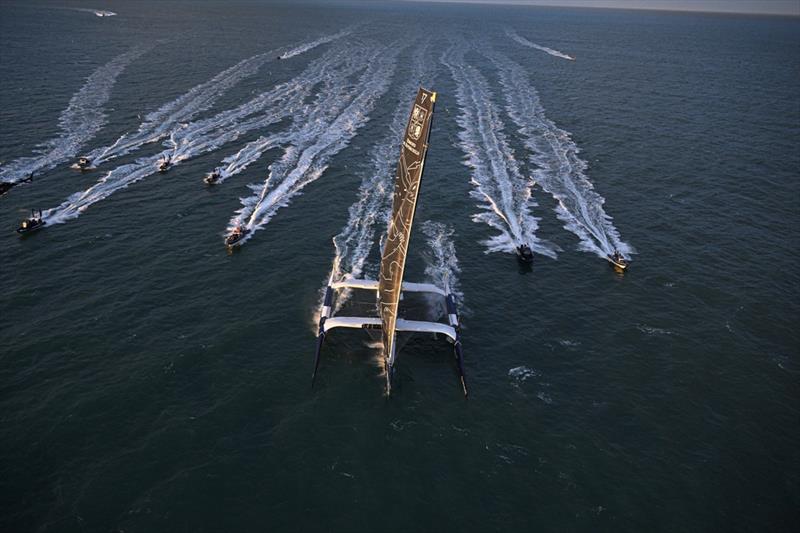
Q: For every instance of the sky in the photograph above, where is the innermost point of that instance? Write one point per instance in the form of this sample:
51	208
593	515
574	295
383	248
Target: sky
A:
774	7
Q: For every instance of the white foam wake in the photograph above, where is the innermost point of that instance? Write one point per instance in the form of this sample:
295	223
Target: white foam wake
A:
504	193
559	171
303	48
79	122
98	12
248	155
331	123
162	122
288	98
442	263
525	42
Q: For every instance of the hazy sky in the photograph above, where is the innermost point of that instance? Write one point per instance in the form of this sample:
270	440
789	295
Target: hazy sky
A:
779	7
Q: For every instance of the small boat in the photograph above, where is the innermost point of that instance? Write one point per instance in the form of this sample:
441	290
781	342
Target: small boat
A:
31	224
83	163
617	260
164	165
525	254
236	236
212	177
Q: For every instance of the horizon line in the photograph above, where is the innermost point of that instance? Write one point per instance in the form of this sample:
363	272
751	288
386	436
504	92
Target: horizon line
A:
527	3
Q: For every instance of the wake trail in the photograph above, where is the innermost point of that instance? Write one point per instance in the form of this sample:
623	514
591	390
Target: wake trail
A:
161	123
303	48
330	125
558	169
442	263
98	12
288	98
525	42
504	193
79	122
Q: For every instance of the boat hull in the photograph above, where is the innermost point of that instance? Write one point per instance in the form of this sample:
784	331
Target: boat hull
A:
26	231
616	264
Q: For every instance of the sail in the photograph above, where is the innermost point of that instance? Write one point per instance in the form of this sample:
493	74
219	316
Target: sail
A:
404	203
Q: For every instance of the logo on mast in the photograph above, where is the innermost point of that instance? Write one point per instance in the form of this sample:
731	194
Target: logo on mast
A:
417	121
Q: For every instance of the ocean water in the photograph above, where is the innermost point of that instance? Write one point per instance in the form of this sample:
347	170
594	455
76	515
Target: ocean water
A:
150	381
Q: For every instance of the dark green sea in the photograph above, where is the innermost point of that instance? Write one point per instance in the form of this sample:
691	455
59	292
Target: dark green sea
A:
150	380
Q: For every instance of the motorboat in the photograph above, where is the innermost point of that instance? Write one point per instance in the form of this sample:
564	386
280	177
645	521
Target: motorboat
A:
236	236
617	260
212	177
29	225
525	254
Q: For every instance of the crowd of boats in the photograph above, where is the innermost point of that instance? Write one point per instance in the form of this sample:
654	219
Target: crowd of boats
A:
237	234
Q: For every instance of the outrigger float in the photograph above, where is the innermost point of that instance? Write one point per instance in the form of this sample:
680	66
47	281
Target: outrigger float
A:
390	286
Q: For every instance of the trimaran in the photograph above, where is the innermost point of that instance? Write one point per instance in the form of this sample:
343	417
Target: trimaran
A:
390	285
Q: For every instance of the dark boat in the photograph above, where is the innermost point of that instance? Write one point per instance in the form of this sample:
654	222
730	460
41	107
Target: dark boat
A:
524	253
83	163
6	186
31	224
617	260
163	165
212	177
236	236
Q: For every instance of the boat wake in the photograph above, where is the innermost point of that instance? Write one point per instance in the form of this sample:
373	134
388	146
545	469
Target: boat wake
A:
442	264
79	122
97	12
162	122
191	141
328	126
303	48
525	42
558	169
504	193
248	155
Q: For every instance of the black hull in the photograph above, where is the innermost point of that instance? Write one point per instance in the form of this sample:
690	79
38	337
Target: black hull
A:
26	231
235	242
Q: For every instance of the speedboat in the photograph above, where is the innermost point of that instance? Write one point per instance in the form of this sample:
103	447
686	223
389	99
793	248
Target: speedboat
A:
83	163
617	260
6	186
163	165
31	224
524	253
212	177
236	236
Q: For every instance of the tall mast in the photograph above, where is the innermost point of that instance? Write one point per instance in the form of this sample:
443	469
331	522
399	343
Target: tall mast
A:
404	204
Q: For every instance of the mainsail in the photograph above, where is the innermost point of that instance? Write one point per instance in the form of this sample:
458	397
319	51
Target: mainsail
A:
404	204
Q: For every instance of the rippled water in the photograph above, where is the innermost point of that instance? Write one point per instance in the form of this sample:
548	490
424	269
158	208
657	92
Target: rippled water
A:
149	381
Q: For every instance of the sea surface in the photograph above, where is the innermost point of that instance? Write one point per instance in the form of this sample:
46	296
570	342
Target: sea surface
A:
150	380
